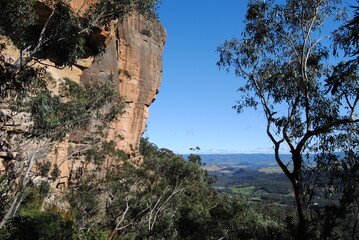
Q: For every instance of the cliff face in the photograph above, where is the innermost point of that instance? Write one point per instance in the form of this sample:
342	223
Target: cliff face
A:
133	58
140	54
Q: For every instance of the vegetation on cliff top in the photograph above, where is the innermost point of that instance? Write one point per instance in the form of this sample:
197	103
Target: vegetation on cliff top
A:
167	197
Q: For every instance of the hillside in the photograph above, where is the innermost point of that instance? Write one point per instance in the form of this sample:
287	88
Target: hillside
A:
255	177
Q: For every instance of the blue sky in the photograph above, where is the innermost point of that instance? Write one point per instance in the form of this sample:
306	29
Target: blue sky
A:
194	106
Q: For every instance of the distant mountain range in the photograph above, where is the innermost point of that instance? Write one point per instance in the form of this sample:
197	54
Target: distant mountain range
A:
230	159
254	161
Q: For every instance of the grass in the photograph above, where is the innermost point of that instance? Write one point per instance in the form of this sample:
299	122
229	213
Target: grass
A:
243	190
271	170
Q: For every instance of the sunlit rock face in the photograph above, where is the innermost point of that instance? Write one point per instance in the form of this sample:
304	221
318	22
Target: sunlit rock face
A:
133	60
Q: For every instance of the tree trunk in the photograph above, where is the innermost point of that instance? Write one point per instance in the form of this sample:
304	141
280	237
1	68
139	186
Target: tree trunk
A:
299	196
10	211
294	178
19	197
301	209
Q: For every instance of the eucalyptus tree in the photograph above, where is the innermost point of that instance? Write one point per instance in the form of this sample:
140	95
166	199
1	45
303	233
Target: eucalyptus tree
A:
283	59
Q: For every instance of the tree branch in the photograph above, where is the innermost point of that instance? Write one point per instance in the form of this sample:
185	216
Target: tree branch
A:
290	119
117	228
322	129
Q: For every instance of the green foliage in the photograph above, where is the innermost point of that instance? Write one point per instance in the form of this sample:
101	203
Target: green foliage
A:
147	7
173	199
33	223
166	197
84	202
347	38
63	41
38	225
193	158
337	187
54	116
58	39
104	11
162	184
63	37
19	86
16	19
106	151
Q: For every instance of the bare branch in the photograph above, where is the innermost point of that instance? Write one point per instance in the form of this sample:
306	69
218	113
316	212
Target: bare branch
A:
117	228
290	120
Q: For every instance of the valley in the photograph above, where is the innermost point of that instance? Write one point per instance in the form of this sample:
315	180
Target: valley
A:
255	177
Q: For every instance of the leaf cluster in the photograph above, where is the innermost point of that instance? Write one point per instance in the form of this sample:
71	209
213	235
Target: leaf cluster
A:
55	115
347	37
17	18
62	41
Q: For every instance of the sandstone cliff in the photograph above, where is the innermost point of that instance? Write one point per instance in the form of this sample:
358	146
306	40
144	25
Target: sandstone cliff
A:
133	59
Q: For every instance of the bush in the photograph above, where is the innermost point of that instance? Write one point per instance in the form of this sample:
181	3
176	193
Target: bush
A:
38	225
